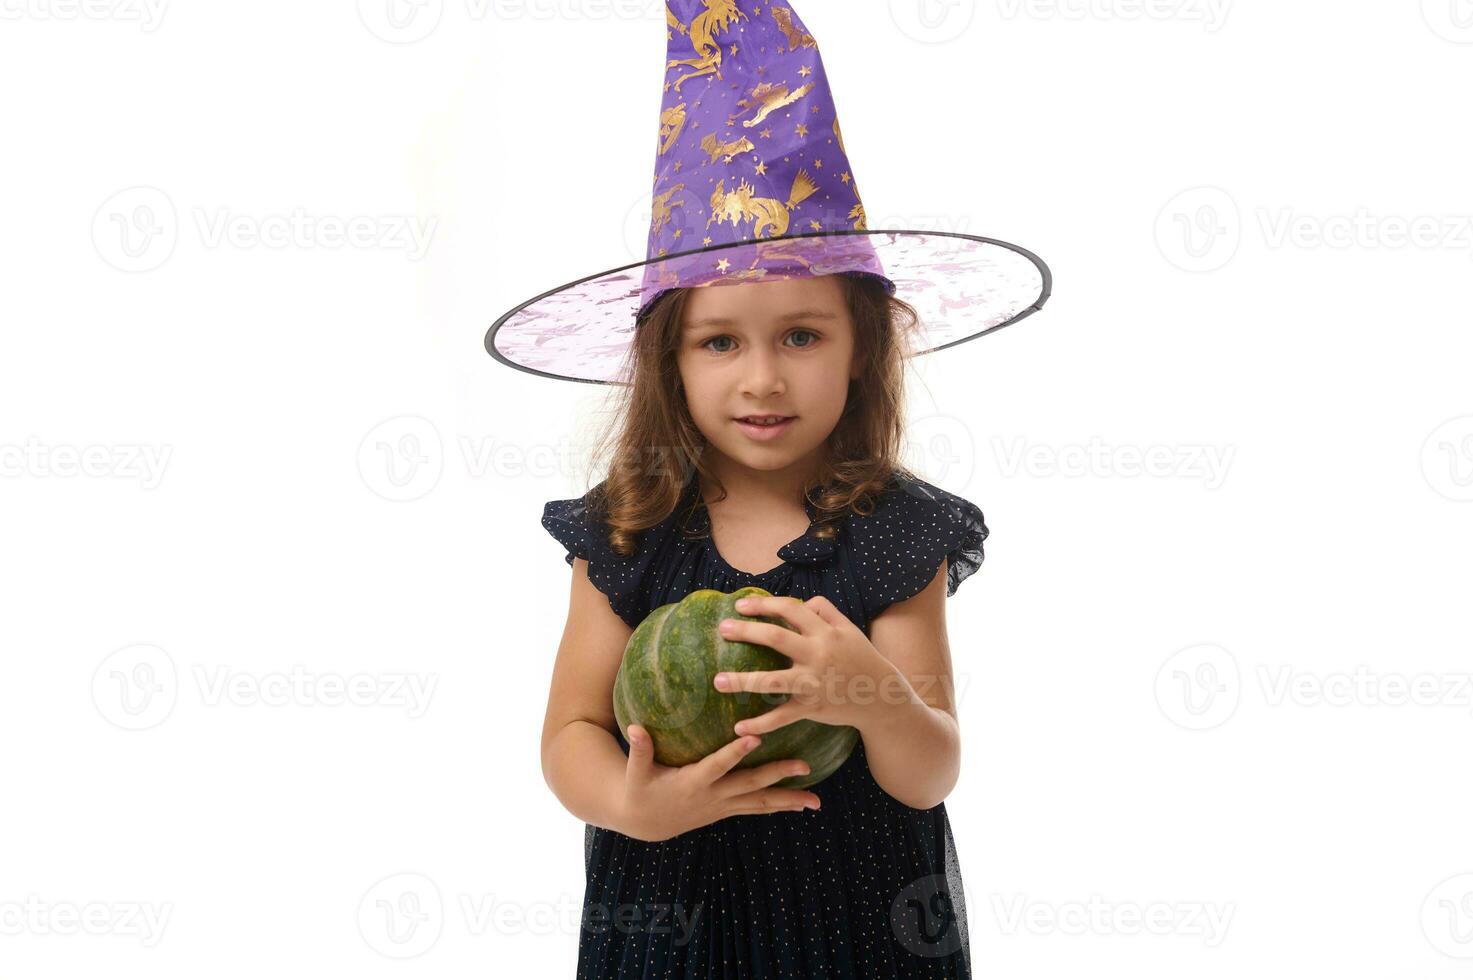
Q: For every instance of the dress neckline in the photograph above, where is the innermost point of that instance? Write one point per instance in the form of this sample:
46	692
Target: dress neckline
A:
804	549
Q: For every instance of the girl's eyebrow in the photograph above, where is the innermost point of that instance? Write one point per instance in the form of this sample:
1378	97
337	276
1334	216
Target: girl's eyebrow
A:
723	321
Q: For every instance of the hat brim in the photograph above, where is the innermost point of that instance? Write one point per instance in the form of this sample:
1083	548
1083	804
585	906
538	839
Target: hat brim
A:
961	286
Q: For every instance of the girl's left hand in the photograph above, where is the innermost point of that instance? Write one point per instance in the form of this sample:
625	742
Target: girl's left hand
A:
832	661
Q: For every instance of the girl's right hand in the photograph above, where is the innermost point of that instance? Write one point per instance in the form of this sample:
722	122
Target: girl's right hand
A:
661	802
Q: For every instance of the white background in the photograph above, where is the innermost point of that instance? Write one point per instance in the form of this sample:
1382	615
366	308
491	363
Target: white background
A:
344	486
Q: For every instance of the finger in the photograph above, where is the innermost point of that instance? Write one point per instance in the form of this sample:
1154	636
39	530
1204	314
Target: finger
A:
744	781
772	801
760	681
780	638
788	608
724	759
784	714
641	753
828	612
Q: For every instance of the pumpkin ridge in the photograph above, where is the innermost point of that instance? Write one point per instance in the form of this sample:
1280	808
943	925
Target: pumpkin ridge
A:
662	693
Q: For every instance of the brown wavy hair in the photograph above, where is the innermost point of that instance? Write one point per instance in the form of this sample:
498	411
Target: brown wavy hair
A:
654	447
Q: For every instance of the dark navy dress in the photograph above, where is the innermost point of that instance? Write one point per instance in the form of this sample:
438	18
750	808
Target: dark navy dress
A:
862	888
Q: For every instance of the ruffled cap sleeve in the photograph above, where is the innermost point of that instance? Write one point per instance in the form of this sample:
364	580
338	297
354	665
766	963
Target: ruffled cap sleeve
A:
899	546
583	534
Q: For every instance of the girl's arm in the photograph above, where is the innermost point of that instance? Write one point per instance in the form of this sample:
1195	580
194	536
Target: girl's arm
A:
583	765
913	742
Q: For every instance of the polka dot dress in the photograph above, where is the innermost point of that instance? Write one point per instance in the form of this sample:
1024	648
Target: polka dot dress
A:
863	888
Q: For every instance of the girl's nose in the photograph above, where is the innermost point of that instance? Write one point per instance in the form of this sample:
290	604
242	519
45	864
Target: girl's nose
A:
763	378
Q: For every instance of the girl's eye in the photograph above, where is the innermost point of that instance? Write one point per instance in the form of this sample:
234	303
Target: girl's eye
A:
707	343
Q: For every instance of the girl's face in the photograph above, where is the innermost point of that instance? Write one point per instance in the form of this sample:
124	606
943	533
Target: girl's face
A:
759	349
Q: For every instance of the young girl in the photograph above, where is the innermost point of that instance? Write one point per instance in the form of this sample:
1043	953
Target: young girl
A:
764	296
705	870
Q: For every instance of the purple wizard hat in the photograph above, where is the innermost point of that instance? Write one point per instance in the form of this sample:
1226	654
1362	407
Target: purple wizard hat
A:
752	183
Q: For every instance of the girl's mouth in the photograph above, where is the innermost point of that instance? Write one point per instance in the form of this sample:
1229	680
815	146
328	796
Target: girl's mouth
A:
763	428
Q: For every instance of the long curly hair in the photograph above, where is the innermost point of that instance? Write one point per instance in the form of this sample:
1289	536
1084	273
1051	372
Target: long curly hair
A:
653	447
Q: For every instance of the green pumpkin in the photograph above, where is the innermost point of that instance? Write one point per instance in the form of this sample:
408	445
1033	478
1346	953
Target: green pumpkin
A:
666	685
